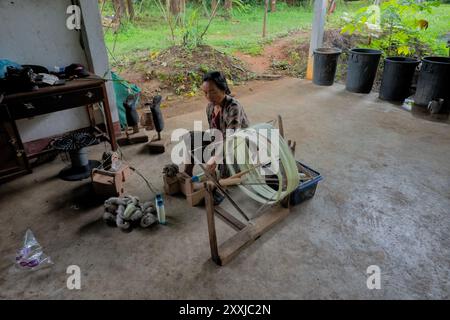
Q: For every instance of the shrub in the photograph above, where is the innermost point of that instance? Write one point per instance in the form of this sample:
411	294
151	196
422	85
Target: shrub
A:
399	22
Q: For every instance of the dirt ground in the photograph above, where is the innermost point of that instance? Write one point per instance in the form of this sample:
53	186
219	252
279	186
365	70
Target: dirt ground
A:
277	51
274	54
285	56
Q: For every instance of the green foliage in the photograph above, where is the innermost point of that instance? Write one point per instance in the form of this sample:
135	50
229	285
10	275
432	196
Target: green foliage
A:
365	20
396	23
192	34
241	6
254	50
149	31
281	64
186	25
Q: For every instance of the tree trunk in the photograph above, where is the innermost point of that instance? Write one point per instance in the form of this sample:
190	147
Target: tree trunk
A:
266	8
183	5
213	5
130	9
228	4
228	8
273	5
174	7
119	9
290	2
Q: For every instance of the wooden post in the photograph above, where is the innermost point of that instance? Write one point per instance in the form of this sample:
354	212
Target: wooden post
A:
174	6
209	203
266	8
130	9
280	126
320	11
273	5
109	124
229	8
119	10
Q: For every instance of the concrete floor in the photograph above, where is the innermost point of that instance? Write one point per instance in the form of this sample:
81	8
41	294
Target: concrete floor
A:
385	201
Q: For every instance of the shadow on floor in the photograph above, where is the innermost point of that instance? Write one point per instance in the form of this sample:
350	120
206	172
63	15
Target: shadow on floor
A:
80	199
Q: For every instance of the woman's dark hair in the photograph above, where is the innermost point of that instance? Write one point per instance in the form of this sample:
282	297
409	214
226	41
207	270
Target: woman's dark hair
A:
219	79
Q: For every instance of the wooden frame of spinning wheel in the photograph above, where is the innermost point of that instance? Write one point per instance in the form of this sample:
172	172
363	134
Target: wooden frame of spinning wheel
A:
248	232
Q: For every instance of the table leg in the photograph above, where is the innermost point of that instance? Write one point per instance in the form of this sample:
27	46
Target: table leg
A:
109	123
90	110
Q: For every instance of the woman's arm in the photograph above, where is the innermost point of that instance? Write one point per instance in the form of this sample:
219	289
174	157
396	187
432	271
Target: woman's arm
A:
209	110
235	117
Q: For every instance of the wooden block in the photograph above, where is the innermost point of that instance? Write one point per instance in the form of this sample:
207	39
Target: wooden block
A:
170	180
171	185
193	197
186	186
110	184
140	137
196	197
104	185
157	147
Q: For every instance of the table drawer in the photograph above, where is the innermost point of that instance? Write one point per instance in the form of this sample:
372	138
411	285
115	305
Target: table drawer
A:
51	103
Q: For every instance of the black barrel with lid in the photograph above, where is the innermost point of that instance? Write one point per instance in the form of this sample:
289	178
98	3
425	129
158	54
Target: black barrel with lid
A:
362	69
325	64
397	77
434	81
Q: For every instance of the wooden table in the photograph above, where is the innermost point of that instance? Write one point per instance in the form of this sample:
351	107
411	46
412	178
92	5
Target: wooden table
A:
73	94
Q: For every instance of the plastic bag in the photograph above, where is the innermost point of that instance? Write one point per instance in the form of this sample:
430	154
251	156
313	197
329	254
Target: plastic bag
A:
31	255
4	64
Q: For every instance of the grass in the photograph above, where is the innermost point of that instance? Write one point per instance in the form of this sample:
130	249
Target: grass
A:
439	27
244	32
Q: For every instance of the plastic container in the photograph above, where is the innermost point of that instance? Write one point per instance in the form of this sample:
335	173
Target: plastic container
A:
198	178
305	190
325	64
122	90
397	77
160	210
362	69
434	81
4	64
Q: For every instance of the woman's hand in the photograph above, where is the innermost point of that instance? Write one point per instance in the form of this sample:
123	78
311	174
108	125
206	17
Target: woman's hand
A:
211	166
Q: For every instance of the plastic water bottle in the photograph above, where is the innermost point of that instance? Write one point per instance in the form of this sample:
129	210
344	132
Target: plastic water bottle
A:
198	178
160	210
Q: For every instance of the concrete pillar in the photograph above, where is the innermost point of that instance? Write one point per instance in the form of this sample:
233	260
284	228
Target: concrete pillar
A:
318	27
94	46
